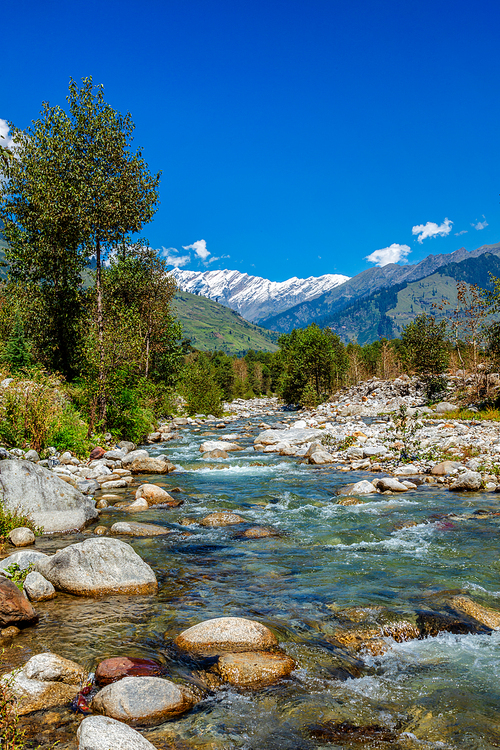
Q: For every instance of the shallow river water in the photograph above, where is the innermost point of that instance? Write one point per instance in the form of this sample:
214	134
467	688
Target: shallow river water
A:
436	692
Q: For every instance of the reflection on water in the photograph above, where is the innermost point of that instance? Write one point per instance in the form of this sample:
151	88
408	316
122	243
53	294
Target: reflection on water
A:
438	692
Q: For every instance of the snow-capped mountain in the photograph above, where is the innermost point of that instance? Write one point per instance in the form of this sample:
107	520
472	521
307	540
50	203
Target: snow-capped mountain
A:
253	297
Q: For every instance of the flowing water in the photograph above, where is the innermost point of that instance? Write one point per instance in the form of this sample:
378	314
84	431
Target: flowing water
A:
436	692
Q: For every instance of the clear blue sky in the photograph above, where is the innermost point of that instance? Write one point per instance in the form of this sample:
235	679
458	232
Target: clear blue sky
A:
295	137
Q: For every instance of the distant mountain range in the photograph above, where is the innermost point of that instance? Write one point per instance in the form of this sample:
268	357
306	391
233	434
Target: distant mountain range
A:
253	297
377	302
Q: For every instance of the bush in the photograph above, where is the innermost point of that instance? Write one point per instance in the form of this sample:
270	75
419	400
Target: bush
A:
28	410
14	520
69	432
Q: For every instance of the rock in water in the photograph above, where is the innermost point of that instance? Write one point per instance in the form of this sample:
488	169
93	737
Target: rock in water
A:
144	701
98	566
361	488
149	466
222	518
50	667
130	528
115	668
40	494
252	669
103	733
155	495
15	608
37	588
226	635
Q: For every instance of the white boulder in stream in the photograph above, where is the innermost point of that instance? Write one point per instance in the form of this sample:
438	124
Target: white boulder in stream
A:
40	494
468	481
226	635
361	488
103	733
146	701
98	566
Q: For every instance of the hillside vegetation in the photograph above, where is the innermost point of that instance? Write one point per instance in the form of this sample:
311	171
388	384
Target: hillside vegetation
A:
211	326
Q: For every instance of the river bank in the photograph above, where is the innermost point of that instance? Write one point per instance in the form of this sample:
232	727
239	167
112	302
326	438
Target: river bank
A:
362	597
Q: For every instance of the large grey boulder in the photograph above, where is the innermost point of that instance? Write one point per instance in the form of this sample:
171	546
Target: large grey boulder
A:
469	481
98	566
131	456
146	701
103	733
226	635
40	494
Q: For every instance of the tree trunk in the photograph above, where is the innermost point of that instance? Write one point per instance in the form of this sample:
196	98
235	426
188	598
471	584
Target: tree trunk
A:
100	338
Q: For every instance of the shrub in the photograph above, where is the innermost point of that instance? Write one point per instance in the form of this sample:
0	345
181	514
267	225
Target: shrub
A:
14	520
69	432
18	575
28	409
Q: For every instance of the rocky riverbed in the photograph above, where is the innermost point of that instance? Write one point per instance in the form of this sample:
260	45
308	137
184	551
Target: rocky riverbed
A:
272	579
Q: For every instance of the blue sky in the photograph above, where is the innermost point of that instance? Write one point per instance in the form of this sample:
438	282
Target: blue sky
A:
295	138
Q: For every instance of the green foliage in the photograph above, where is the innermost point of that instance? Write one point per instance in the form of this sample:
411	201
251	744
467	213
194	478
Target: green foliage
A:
17	575
14	520
17	351
29	409
69	432
200	388
404	431
425	351
310	358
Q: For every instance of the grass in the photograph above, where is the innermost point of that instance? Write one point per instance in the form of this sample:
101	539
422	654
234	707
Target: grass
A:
14	520
212	327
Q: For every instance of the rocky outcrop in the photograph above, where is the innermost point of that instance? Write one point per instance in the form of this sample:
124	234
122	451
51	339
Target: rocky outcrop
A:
104	733
40	494
142	701
226	635
98	566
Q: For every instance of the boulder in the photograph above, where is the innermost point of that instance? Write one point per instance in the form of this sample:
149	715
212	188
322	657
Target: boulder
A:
485	615
254	669
221	445
444	407
136	506
392	484
131	456
138	529
292	436
469	481
96	453
98	566
116	667
155	495
406	471
226	635
37	588
21	537
433	623
115	455
374	450
143	701
443	468
126	446
150	466
38	695
360	488
40	494
32	455
223	518
259	532
24	558
321	457
216	454
103	733
49	667
15	608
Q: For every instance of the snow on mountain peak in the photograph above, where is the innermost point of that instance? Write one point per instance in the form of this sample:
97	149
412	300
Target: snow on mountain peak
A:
253	297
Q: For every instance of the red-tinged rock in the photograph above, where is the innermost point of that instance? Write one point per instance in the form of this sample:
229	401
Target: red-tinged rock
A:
96	453
113	669
15	607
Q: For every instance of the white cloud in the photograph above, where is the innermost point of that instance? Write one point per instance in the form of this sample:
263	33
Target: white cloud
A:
219	257
5	139
200	249
480	224
464	231
431	229
170	255
392	254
